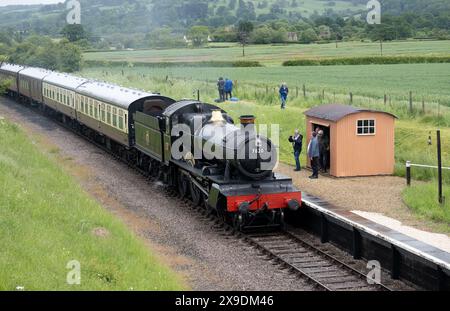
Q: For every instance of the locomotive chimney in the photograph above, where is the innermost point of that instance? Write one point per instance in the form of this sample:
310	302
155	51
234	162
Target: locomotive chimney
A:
247	120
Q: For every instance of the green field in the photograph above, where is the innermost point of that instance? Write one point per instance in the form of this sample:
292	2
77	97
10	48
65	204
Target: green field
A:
46	221
274	55
412	130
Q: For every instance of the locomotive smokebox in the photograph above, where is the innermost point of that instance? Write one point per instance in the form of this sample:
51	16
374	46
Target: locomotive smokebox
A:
247	120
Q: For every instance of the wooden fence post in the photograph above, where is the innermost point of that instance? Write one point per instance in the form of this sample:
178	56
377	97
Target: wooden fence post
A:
351	98
304	91
423	105
385	99
296	91
408	173
410	102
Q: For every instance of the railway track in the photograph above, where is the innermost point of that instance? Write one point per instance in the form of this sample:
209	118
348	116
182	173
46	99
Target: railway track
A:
322	270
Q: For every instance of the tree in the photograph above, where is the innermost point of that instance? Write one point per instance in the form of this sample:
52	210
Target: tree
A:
245	28
198	35
69	57
74	32
309	36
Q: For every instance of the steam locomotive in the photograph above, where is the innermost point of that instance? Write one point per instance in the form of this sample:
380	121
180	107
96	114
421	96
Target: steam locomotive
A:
192	146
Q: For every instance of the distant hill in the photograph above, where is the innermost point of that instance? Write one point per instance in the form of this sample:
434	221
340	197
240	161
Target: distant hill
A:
131	17
121	16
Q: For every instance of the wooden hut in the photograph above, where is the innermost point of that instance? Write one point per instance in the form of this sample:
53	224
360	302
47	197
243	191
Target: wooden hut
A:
362	141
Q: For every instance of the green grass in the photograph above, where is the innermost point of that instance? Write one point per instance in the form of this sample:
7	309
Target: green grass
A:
275	55
46	220
426	81
423	199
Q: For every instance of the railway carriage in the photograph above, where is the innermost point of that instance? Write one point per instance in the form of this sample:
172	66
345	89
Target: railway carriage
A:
59	93
109	109
11	72
30	81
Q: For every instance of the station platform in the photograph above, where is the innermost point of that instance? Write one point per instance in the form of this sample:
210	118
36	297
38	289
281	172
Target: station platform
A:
404	257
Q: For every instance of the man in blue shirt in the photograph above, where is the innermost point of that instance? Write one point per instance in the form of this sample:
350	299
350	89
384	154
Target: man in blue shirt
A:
228	89
314	155
284	92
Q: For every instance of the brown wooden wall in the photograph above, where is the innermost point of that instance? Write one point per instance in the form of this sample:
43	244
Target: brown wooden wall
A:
354	155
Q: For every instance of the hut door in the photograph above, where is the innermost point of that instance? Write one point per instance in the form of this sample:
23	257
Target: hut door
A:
325	146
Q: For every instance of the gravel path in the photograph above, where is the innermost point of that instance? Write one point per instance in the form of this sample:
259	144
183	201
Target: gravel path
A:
187	243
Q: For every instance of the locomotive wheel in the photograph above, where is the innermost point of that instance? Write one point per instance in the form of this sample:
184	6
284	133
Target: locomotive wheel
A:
238	222
196	194
183	185
205	203
282	222
155	169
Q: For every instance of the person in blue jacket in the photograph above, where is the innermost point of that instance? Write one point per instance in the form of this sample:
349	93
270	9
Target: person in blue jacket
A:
284	92
228	89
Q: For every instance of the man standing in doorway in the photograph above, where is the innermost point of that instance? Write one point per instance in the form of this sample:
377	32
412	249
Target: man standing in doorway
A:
313	155
297	144
324	149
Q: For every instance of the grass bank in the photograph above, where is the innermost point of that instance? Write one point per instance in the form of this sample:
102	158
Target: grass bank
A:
423	199
47	220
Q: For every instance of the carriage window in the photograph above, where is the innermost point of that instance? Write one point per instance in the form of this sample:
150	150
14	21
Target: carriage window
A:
121	119
109	115
366	127
103	113
91	108
96	109
115	117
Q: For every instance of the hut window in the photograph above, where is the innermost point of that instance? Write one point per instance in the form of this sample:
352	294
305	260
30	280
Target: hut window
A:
366	127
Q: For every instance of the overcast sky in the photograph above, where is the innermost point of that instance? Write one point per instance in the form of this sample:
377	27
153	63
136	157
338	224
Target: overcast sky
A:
9	2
